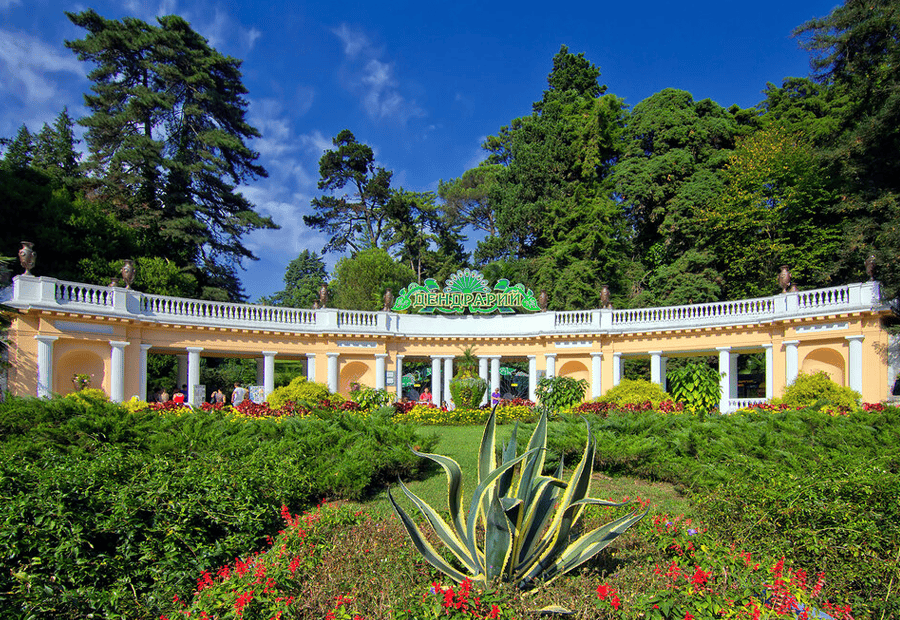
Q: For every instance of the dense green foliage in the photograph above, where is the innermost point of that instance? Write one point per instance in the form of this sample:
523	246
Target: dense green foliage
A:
300	392
695	384
107	512
560	392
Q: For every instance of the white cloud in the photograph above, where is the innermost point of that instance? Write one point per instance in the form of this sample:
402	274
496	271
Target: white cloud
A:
7	4
27	65
373	80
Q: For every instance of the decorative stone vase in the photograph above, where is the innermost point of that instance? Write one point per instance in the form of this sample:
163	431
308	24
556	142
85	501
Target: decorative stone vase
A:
27	257
388	301
543	301
870	266
784	279
323	296
128	273
604	296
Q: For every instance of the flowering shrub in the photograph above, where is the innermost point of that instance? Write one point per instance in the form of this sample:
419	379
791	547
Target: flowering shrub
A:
705	580
603	408
455	602
508	411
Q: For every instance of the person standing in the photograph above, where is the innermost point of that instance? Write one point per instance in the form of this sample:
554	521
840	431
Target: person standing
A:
495	397
238	395
425	397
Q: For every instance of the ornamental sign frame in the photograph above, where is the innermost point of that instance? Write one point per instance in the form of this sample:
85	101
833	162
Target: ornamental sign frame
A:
466	289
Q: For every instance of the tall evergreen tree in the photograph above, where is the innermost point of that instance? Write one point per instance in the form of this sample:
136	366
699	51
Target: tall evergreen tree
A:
168	138
856	51
302	279
20	151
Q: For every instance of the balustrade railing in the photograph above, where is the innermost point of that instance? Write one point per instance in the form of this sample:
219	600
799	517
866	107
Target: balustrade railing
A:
48	292
73	292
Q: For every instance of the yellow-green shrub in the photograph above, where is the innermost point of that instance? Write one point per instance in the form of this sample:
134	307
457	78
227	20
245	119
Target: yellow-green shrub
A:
635	392
808	389
300	390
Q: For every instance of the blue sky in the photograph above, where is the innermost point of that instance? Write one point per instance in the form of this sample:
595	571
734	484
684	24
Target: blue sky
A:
422	83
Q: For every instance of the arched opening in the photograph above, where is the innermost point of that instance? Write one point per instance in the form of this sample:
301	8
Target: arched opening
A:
355	372
574	369
828	361
78	363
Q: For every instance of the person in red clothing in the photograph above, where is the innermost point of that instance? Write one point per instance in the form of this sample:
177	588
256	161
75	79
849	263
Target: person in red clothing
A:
178	397
425	396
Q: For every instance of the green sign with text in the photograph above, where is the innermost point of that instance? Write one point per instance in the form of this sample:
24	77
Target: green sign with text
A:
466	290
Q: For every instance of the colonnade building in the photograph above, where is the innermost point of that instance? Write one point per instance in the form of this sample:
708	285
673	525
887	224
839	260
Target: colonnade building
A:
63	328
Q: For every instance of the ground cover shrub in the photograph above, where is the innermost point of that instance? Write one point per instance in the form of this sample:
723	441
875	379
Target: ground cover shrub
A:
635	392
104	512
818	388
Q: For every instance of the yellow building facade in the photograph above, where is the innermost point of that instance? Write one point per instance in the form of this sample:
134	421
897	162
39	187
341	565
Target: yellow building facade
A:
64	328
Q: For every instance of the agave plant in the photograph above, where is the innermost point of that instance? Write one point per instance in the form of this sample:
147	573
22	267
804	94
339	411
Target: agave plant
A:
528	521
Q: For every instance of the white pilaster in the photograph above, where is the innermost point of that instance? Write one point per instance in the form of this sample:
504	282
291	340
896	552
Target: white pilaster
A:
770	370
733	375
379	370
268	381
193	373
45	365
333	371
725	377
792	360
596	363
532	378
436	383
855	370
142	386
182	371
117	371
260	370
550	359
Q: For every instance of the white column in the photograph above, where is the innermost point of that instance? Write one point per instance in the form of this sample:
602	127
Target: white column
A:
483	362
596	363
379	370
193	372
268	378
855	370
142	386
448	375
550	359
725	378
617	368
656	373
436	383
45	365
733	375
664	364
532	378
398	374
310	366
792	360
770	370
495	373
117	371
333	372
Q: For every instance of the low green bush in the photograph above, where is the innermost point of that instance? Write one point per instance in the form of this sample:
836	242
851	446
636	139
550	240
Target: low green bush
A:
635	392
695	384
557	393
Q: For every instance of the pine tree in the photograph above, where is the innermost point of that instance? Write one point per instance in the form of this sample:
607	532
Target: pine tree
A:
167	136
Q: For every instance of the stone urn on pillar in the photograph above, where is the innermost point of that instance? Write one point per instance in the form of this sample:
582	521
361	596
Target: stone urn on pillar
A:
27	257
870	267
543	300
784	278
388	301
128	273
604	296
